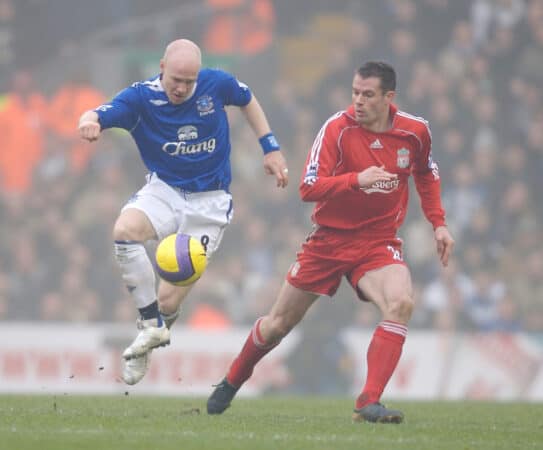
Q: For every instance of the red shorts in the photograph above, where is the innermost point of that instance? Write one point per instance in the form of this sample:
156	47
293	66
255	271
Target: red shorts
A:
329	254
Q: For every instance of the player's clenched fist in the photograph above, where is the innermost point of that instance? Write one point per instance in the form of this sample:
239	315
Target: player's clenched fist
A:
367	177
89	127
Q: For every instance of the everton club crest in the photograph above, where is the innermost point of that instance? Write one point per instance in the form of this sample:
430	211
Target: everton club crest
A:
205	105
403	158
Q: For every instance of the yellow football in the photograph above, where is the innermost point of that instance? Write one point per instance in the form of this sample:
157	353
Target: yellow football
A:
180	259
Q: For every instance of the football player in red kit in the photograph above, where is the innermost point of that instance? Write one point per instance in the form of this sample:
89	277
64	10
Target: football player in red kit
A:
357	174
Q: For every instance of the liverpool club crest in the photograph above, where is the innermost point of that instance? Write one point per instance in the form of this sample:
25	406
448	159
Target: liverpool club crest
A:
403	158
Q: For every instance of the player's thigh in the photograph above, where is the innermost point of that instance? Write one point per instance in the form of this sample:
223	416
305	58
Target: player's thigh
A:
387	286
155	201
290	307
133	225
206	216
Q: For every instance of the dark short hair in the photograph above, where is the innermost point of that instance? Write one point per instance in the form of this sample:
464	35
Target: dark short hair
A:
385	72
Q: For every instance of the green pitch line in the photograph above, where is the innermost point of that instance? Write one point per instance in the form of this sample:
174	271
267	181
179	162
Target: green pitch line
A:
133	422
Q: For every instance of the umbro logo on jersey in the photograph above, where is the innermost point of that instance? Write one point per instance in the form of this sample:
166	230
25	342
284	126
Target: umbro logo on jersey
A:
376	144
158	102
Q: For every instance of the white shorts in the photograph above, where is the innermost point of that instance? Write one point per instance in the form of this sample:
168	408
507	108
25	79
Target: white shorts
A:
204	215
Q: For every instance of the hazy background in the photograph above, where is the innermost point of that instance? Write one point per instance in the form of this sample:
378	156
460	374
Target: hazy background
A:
474	69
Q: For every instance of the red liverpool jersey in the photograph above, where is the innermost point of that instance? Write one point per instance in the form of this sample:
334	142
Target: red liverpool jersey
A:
343	148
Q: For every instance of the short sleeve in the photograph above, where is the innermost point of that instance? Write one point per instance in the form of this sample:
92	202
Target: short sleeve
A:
234	92
121	112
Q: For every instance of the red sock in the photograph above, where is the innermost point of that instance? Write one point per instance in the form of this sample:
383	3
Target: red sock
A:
252	352
383	355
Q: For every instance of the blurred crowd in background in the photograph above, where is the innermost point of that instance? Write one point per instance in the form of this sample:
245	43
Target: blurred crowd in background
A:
473	69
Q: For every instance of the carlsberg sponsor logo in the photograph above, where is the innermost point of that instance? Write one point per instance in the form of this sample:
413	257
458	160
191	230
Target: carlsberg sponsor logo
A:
384	187
182	148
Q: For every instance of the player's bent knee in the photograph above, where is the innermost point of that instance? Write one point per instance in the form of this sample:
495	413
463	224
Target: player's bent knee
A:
126	231
401	308
133	225
279	327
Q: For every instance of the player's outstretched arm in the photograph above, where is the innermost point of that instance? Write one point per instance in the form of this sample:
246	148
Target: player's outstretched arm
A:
89	127
444	243
274	161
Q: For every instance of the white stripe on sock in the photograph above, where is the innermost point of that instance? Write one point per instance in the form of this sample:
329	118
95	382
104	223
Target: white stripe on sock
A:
394	327
257	341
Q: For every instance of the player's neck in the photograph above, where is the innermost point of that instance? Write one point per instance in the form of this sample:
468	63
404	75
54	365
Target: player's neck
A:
379	126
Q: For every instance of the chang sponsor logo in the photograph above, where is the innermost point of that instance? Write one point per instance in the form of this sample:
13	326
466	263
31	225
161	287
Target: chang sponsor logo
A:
187	133
184	148
384	187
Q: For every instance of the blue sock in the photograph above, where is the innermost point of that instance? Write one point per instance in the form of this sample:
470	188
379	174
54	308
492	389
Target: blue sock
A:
151	312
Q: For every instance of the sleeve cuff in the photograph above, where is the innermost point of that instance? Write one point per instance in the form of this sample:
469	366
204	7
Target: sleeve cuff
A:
353	181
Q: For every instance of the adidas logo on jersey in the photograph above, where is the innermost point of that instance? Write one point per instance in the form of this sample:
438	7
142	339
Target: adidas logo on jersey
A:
376	144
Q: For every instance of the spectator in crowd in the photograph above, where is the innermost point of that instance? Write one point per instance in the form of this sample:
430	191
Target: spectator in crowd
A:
7	38
22	126
72	99
239	27
443	298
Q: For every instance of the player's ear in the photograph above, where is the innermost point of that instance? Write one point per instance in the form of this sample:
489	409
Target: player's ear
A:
389	96
162	65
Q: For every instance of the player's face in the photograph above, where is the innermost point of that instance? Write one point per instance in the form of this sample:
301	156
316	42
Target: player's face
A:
178	79
370	103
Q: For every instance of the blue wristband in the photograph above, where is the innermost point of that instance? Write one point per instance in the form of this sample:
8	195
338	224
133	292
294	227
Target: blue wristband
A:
269	143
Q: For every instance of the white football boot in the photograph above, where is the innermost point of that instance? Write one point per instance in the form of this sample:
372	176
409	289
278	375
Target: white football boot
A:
151	336
135	369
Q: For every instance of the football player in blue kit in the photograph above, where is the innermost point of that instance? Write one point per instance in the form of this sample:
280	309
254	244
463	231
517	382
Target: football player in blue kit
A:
179	124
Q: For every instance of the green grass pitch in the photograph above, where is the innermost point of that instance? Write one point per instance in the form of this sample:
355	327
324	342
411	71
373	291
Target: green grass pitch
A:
67	422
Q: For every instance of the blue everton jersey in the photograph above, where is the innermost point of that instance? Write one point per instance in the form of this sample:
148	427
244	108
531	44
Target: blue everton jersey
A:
187	145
